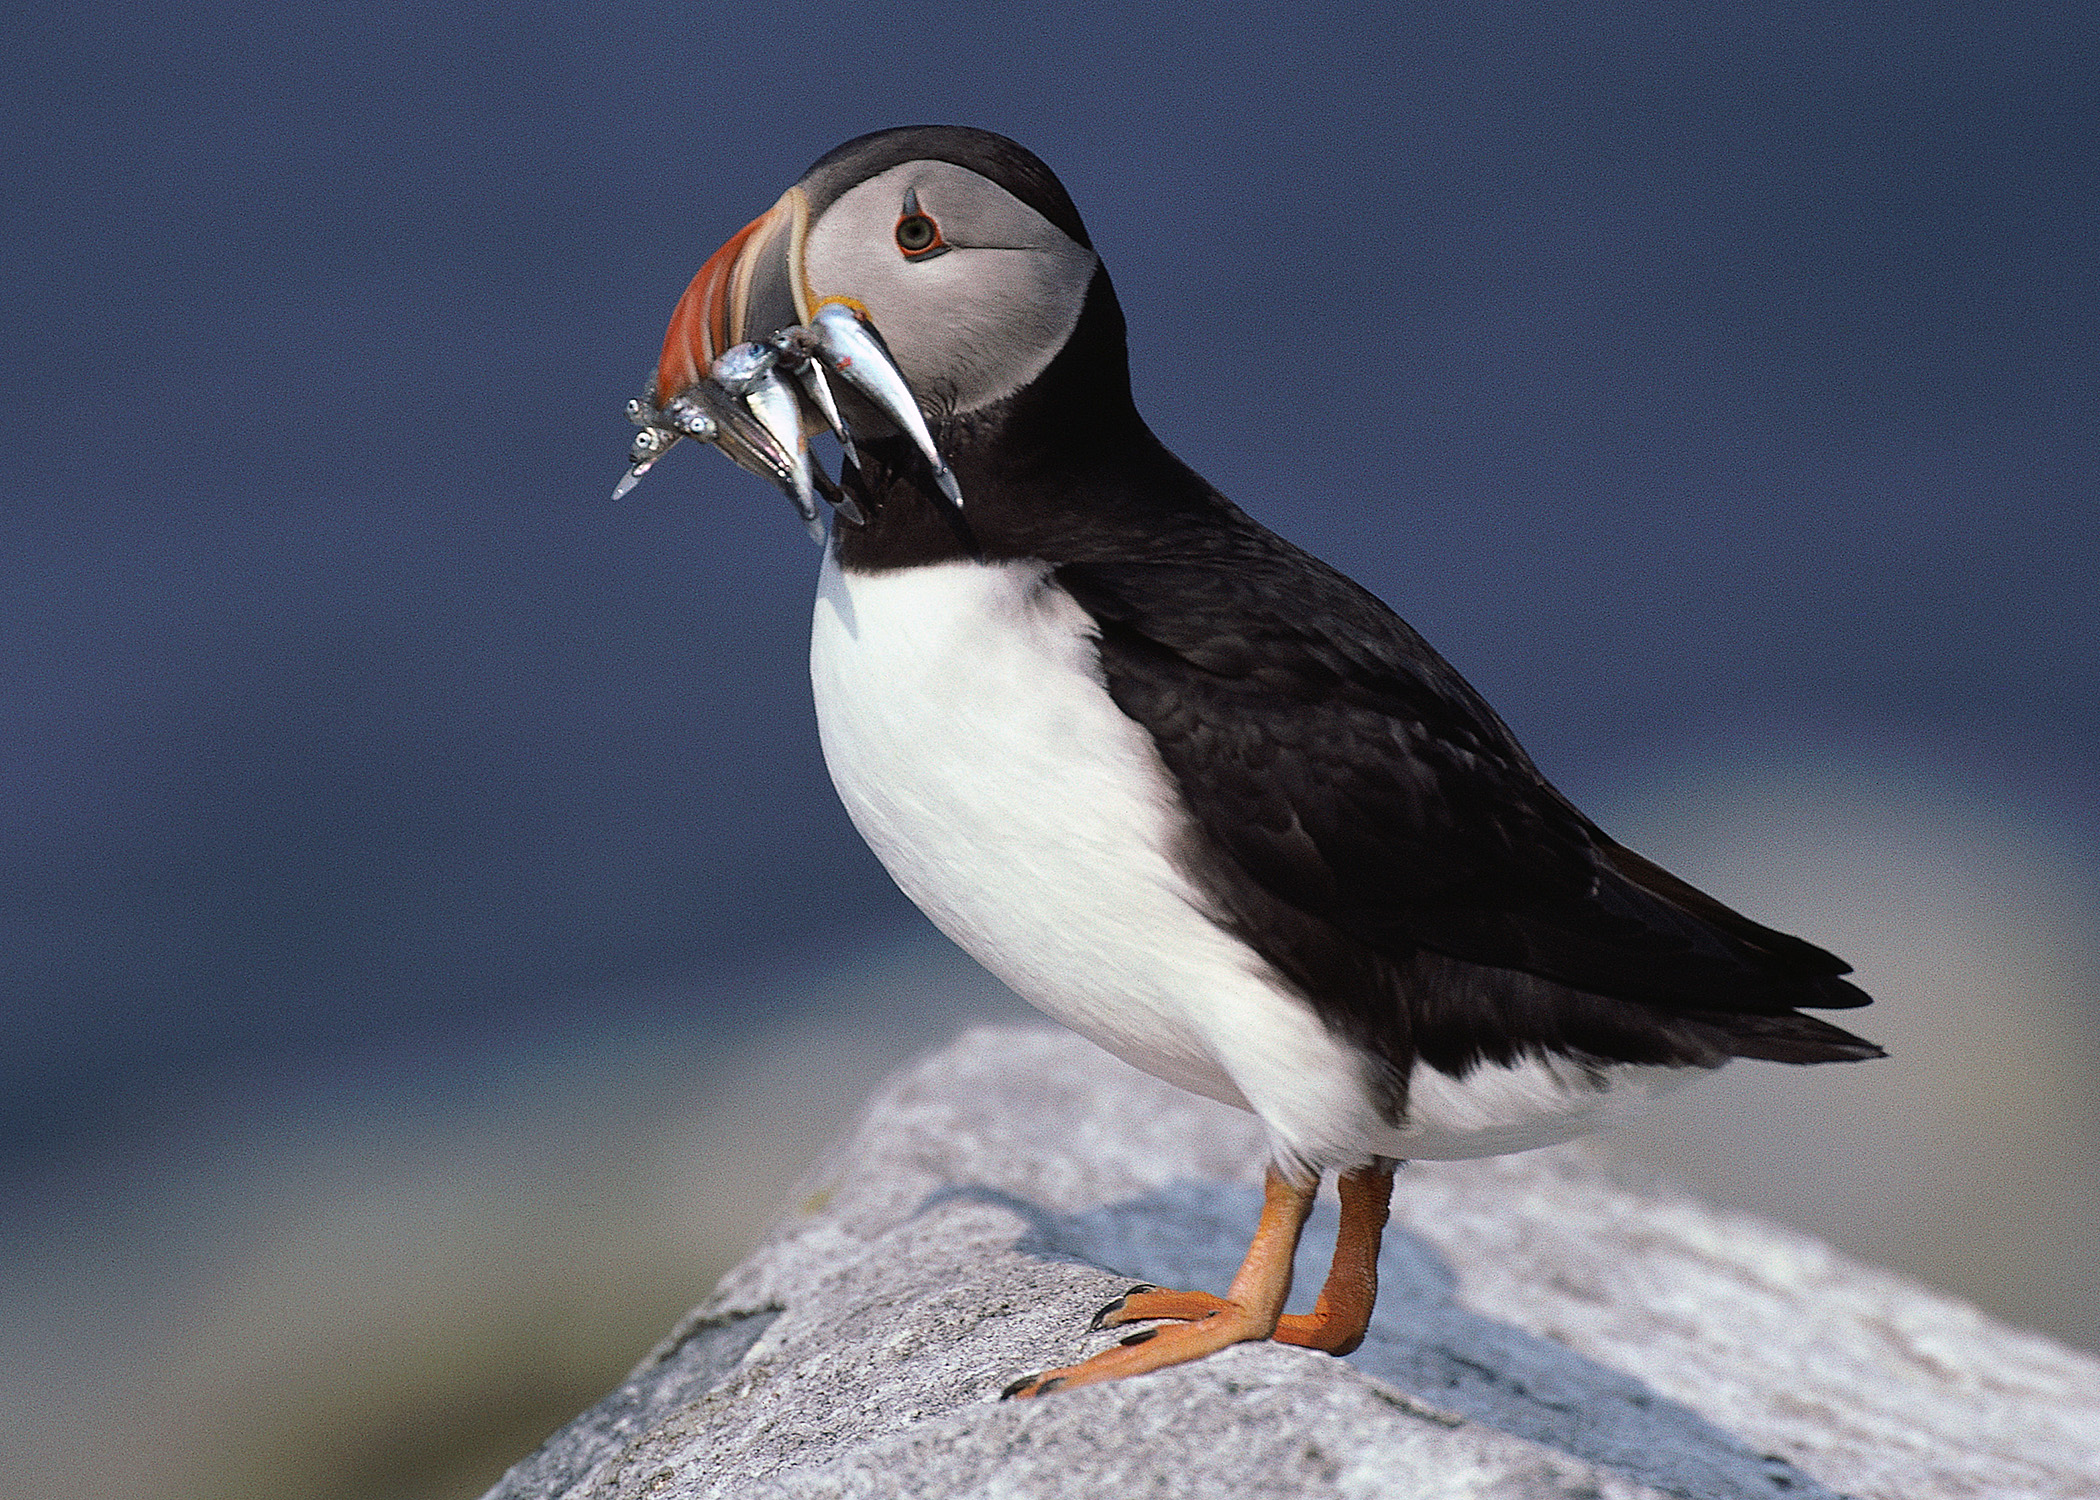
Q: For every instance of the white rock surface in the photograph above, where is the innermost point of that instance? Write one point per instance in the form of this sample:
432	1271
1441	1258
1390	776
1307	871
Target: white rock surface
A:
1541	1332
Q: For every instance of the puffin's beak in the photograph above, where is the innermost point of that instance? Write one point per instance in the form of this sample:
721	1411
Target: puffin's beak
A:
749	288
746	323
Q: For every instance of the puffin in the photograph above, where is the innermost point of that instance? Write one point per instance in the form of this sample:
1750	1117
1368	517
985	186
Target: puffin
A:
1183	787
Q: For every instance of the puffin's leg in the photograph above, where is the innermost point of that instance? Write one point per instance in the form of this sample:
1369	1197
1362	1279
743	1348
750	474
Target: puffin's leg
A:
1338	1320
1247	1312
1343	1312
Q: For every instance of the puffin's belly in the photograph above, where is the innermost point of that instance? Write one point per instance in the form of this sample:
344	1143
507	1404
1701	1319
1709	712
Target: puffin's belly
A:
967	729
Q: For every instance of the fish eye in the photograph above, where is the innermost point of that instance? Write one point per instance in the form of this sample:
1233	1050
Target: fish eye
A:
919	237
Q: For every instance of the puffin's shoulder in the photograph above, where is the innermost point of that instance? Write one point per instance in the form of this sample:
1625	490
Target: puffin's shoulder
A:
1244	612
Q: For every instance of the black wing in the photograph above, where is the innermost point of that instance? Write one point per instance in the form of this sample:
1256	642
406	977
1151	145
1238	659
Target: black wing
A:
1352	775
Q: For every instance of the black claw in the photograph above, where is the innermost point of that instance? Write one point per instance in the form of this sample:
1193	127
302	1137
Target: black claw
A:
1049	1385
1141	1336
1101	1318
1017	1387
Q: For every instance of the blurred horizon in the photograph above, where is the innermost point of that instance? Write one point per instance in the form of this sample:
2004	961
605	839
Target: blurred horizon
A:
397	838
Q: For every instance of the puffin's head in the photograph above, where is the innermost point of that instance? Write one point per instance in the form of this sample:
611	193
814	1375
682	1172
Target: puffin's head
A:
962	248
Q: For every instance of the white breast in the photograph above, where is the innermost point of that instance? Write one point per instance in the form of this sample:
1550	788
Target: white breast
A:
970	736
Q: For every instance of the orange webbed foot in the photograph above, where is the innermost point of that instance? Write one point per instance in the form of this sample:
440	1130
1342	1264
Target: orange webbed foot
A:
1220	1323
1329	1328
1189	1325
1247	1313
1145	1302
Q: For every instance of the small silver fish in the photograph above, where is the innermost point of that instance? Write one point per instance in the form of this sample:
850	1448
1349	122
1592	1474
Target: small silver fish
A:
649	445
751	371
798	351
851	346
746	407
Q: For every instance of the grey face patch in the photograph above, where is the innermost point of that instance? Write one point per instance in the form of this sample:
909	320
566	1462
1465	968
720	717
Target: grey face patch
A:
973	325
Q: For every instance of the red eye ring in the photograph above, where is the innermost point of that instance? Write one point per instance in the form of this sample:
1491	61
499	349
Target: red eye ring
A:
918	236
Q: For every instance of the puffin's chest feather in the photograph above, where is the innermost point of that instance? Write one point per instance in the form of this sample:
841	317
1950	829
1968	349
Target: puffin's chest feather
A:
963	703
968	731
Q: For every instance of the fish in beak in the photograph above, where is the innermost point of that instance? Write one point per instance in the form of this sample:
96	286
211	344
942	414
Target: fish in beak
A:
747	364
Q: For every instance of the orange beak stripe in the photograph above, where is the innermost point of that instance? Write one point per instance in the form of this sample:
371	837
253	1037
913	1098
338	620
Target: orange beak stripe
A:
709	318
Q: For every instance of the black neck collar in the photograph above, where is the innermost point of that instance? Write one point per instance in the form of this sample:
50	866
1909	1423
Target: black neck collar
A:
1063	469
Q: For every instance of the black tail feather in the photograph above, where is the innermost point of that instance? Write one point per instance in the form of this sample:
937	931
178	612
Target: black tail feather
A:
1788	1038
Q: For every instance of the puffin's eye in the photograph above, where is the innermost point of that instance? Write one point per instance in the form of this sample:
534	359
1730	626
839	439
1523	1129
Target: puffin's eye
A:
918	236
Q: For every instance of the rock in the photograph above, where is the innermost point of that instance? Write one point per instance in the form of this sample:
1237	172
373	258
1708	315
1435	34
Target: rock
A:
1542	1331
